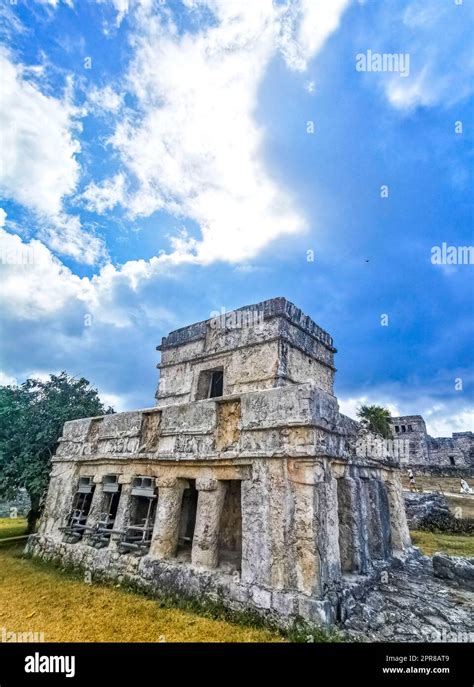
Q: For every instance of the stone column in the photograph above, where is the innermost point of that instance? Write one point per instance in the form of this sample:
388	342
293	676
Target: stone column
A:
328	539
205	551
123	509
307	561
96	505
314	534
351	531
257	551
164	540
398	521
379	518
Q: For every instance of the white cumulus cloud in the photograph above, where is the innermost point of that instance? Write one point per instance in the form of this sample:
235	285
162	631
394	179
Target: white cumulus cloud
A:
39	146
39	136
105	196
196	149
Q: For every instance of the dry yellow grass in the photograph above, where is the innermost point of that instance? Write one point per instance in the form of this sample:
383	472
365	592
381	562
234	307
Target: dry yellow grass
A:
39	598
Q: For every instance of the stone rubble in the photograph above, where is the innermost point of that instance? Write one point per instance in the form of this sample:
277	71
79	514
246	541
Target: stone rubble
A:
420	506
458	570
411	606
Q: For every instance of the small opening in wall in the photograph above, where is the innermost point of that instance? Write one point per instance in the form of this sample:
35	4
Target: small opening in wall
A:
452	460
187	521
216	384
137	535
210	384
404	429
410	428
397	428
101	533
77	518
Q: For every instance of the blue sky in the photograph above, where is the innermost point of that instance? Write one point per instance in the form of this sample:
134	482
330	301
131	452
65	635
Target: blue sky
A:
163	160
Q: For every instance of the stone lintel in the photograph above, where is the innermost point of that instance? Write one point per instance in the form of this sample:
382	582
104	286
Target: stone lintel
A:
170	482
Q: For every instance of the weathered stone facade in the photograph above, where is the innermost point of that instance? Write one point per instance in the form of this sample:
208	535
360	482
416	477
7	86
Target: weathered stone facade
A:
441	455
242	484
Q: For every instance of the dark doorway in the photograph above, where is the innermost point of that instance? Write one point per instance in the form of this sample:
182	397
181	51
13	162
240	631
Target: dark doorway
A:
187	521
230	538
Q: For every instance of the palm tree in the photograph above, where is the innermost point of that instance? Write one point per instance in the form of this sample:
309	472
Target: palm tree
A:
377	419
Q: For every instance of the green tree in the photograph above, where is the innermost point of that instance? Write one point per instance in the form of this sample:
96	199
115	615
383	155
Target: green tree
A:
377	418
31	420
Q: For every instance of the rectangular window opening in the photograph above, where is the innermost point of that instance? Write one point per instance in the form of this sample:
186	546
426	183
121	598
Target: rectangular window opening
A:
77	518
210	384
216	384
136	537
101	533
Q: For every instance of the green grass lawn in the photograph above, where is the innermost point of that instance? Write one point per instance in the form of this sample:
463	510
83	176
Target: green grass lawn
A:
12	527
452	544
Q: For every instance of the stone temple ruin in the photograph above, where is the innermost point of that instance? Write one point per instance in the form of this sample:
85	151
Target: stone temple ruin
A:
242	484
441	455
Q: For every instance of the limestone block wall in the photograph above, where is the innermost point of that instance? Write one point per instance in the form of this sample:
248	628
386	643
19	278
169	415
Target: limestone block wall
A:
451	452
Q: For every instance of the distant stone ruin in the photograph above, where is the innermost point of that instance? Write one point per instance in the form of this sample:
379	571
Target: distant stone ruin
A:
442	455
243	484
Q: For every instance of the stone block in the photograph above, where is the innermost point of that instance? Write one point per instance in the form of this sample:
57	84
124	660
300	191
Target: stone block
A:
262	597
